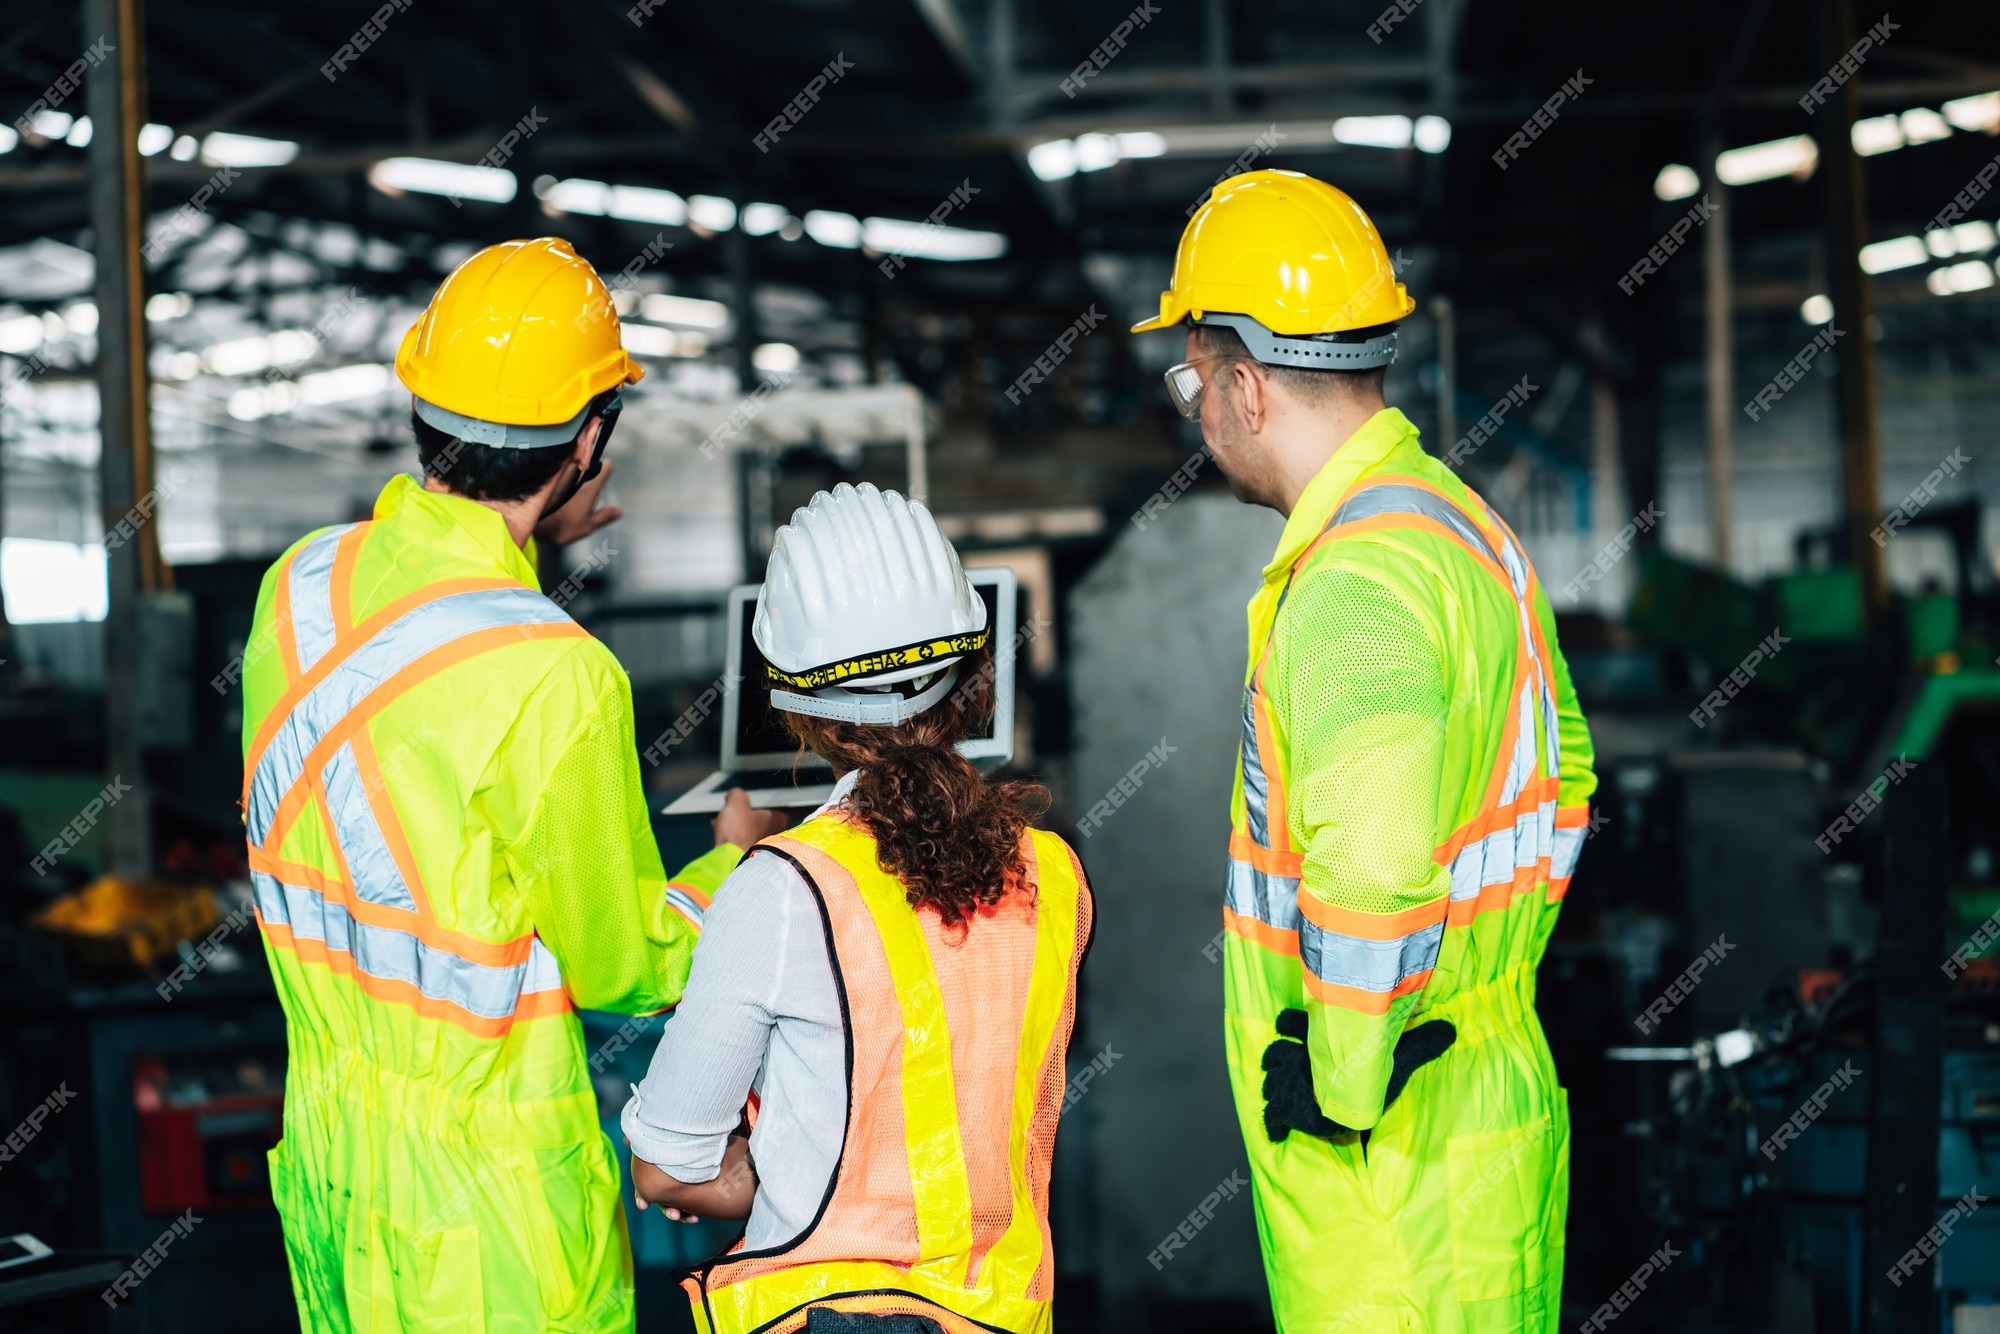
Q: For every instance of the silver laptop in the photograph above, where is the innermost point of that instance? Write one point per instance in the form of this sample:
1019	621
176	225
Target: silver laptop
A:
759	753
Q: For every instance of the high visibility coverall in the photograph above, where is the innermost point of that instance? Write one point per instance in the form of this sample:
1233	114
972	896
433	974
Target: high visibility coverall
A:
1412	792
450	848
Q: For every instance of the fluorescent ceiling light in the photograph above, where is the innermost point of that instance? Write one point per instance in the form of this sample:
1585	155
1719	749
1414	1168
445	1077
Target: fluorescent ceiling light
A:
79	133
840	230
185	148
921	240
247	356
649	340
1974	114
1095	152
8	138
154	139
1972	237
1374	131
711	213
640	203
21	335
1970	276
1140	143
1053	161
168	305
1676	181
343	385
224	149
427	176
81	317
686	311
1433	134
1921	125
53	581
1793	156
775	358
1877	134
1817	308
763	219
1900	253
51	124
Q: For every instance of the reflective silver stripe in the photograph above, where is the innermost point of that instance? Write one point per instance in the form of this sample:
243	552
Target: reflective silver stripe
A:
419	631
1255	798
1368	965
311	593
376	877
1396	498
685	903
485	990
1492	860
1521	762
1568	845
1271	899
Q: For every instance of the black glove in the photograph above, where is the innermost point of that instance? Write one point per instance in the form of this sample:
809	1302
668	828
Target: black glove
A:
1289	1103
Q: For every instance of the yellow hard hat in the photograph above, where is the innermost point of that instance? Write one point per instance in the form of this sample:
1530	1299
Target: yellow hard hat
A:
515	346
1288	262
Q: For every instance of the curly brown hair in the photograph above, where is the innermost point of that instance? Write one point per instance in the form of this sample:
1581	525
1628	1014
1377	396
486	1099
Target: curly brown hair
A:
951	837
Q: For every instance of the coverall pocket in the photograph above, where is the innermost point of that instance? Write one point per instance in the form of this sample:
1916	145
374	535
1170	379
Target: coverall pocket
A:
1500	1191
427	1281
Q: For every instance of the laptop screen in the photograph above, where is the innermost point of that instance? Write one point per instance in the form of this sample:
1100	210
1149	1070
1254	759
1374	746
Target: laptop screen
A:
762	741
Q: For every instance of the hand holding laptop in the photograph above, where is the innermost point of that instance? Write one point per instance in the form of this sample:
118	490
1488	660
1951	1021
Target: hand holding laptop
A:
744	825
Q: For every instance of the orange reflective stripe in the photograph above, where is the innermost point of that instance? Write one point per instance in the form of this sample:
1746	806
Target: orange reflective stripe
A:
533	1004
1533	794
1510	722
504	954
694	892
1358	1000
449	655
1277	812
1291	865
342	649
1369	925
340	587
1260	932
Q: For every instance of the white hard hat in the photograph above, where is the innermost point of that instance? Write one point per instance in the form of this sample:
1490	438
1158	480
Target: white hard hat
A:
865	610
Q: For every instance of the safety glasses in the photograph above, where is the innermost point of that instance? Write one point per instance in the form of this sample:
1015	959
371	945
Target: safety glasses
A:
1184	386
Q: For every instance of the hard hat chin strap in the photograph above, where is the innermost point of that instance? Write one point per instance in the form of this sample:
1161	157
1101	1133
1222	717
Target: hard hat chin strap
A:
886	709
1314	352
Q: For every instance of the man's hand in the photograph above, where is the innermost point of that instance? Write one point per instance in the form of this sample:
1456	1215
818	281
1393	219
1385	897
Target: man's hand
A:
1289	1103
730	1195
744	825
579	516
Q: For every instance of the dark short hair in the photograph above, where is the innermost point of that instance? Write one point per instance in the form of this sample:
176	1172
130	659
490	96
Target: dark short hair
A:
1219	340
482	472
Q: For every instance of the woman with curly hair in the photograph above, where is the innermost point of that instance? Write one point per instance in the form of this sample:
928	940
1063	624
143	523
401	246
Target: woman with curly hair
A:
889	986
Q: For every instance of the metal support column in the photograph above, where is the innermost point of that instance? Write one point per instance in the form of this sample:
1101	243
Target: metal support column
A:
1906	1063
1718	299
1846	207
115	96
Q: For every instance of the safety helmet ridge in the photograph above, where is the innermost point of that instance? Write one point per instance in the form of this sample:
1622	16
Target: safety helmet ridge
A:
1292	264
515	346
863	595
